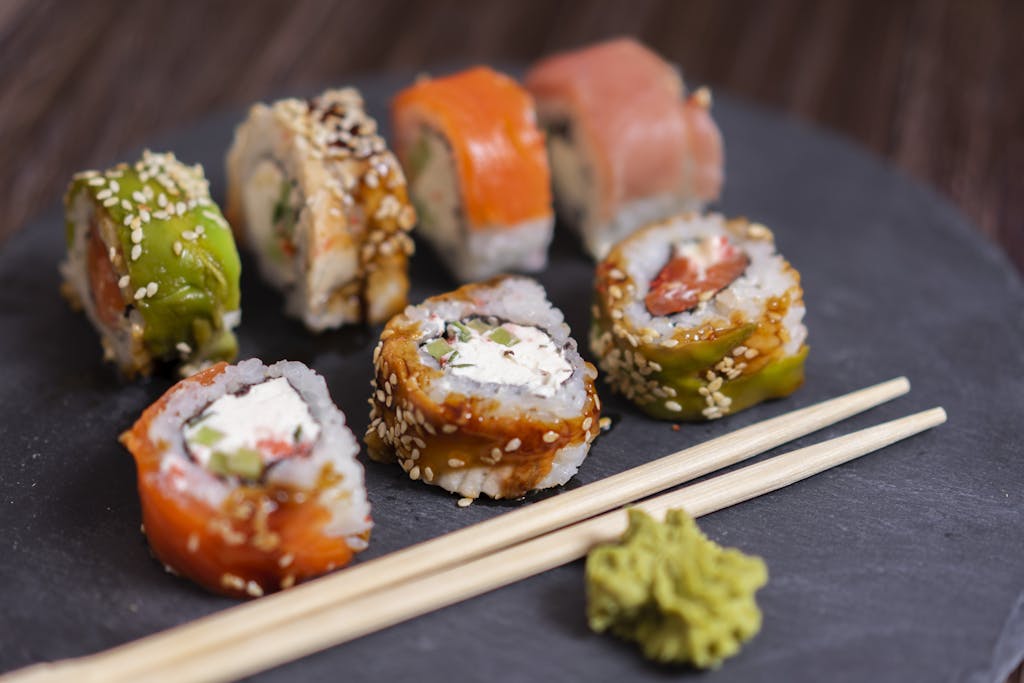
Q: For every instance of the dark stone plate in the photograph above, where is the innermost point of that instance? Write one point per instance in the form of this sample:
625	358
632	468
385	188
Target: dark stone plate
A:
905	565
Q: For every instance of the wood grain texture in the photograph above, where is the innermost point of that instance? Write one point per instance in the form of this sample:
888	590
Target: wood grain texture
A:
933	85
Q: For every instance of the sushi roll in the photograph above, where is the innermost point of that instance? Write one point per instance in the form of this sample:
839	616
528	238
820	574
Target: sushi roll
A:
477	170
248	478
698	317
319	199
153	265
627	144
481	391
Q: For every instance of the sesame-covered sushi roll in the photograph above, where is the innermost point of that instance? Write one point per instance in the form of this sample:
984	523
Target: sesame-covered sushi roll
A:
477	171
627	144
153	265
698	317
320	200
248	478
482	391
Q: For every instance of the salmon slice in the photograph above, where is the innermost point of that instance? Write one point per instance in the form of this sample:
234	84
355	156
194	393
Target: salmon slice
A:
627	105
696	273
491	125
106	294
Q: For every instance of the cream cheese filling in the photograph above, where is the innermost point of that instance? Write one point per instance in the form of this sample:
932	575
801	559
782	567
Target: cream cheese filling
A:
507	354
241	434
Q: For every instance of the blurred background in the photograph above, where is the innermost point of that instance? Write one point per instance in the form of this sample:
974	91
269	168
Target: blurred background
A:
935	86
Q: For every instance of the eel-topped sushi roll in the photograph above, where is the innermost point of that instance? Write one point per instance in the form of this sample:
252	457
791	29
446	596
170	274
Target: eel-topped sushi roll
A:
478	173
320	200
153	265
481	391
627	144
698	317
248	478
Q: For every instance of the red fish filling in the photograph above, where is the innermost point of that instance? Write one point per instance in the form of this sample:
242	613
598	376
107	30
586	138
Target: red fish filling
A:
696	272
106	294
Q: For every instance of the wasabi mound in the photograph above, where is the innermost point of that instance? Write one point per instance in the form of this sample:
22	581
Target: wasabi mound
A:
679	595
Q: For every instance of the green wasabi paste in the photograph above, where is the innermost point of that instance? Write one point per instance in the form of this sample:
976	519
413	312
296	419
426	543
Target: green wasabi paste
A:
682	597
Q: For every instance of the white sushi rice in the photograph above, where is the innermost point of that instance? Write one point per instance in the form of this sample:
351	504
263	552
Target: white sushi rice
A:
335	448
474	481
764	278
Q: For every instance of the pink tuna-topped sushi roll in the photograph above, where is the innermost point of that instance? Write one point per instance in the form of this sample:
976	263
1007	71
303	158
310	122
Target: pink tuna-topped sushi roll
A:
627	145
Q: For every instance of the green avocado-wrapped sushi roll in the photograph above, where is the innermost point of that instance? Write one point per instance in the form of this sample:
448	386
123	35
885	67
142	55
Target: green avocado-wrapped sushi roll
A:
153	264
698	317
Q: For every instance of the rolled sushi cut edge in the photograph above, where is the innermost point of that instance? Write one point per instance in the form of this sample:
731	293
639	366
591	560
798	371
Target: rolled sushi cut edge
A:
319	199
478	172
248	478
738	346
153	264
487	422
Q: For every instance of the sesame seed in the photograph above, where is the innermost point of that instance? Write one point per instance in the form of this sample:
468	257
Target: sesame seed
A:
254	589
496	454
139	197
152	288
140	293
587	423
550	437
183	348
144	216
137	235
115	186
111	201
126	205
193	542
428	474
177	248
673	406
455	462
136	252
414	473
287	582
180	207
465	502
513	444
232	581
96	182
449	429
124	281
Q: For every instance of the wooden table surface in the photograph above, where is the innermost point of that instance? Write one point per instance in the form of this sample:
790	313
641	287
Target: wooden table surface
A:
935	86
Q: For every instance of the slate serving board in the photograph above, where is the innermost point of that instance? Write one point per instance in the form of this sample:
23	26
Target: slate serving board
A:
905	565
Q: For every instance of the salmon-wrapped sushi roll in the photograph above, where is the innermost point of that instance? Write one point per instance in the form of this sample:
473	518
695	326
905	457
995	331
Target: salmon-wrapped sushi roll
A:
698	317
319	199
627	144
477	170
481	391
248	478
153	264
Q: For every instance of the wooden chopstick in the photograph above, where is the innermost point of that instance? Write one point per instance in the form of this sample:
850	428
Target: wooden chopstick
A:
215	631
335	624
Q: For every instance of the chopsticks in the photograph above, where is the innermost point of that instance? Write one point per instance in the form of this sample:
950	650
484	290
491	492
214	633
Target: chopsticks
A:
244	623
336	624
